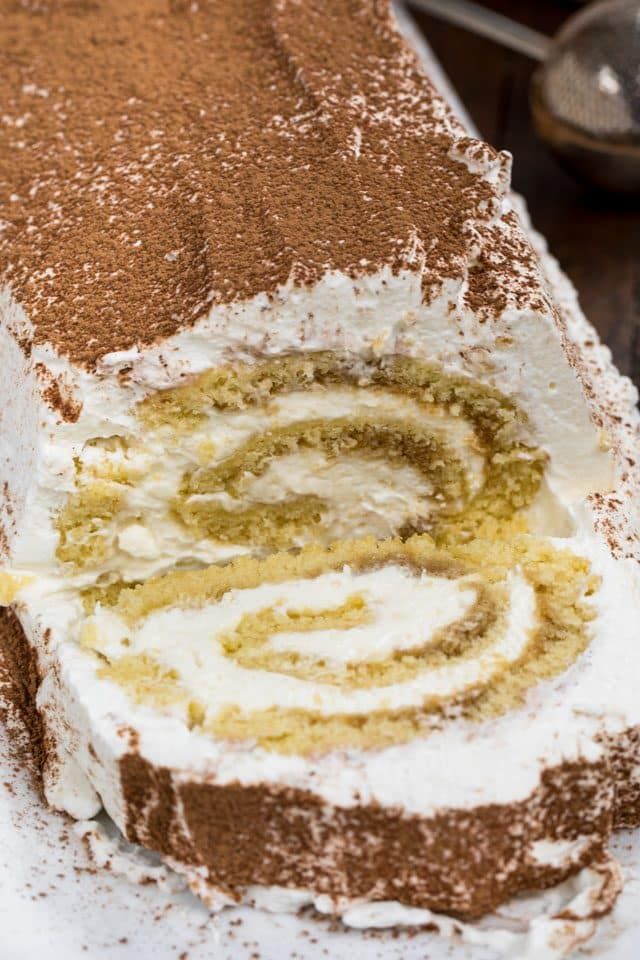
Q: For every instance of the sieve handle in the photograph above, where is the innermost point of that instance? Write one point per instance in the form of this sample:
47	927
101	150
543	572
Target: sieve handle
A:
472	16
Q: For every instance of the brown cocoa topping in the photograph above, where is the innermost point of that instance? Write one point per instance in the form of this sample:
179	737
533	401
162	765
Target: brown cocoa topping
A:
465	862
19	682
159	157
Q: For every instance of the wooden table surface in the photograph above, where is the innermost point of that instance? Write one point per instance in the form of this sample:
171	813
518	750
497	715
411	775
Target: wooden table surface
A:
596	238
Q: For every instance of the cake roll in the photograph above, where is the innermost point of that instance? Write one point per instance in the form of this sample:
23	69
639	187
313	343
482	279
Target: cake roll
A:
319	514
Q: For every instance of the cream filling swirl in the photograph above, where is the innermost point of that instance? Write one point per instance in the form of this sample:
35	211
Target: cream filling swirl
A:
363	643
299	449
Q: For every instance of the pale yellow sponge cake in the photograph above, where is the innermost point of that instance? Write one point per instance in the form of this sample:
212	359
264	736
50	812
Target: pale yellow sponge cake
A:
320	510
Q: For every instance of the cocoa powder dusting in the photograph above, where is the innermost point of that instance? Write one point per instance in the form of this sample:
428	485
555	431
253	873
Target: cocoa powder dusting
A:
18	687
58	395
462	861
159	157
7	526
4	541
504	251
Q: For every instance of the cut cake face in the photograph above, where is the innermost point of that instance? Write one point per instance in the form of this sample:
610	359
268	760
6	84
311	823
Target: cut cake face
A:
317	510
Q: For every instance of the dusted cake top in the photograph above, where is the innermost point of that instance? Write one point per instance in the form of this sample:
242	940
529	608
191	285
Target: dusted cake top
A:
158	158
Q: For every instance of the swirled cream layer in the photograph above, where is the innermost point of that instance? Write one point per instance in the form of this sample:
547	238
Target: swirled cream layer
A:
367	643
306	448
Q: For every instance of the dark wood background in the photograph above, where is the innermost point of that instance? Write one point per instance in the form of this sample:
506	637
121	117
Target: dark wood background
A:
595	237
